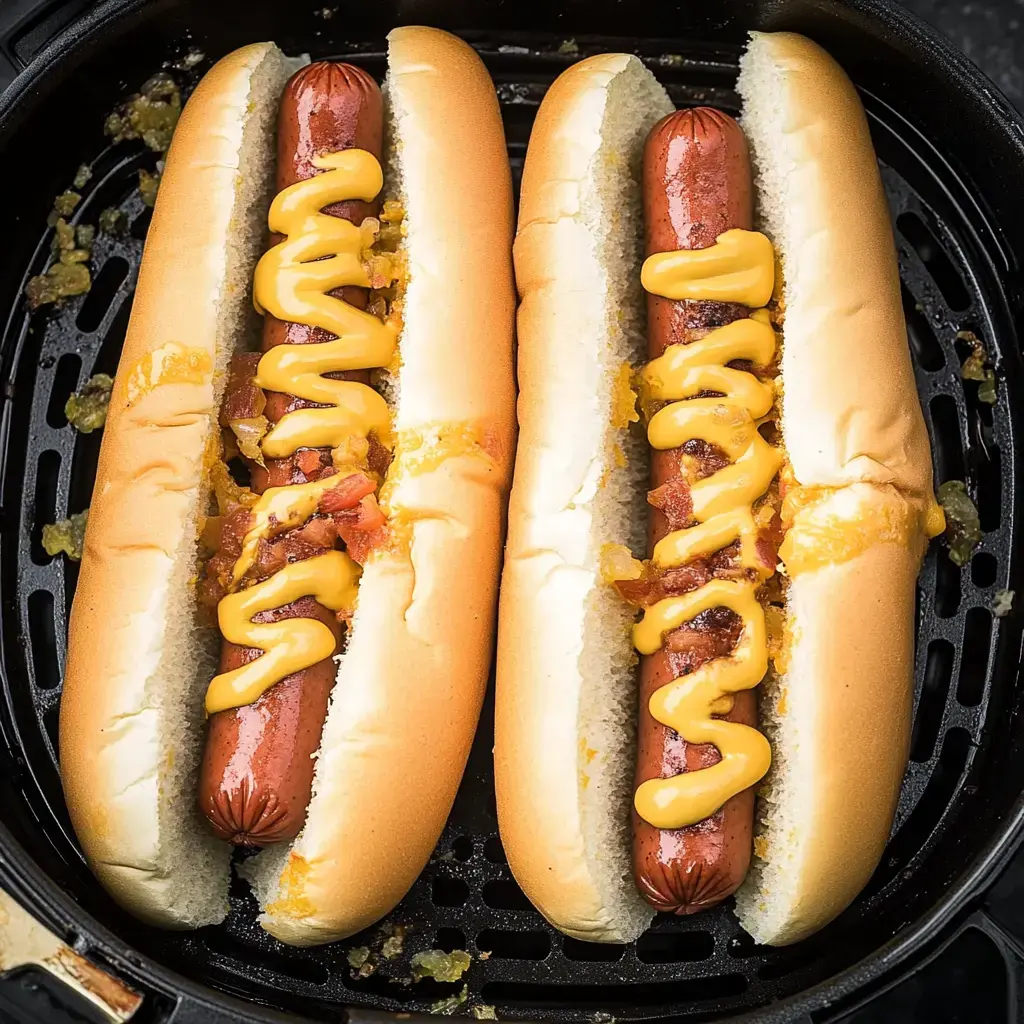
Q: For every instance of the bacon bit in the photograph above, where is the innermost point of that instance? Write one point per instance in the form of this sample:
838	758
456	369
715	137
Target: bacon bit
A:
769	539
708	458
233	526
378	457
365	516
673	499
243	400
656	584
310	461
316	535
349	491
359	544
712	634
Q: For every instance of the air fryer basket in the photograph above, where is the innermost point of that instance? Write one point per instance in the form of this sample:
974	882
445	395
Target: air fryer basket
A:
952	154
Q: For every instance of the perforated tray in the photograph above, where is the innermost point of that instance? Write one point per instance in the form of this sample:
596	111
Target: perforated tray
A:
691	968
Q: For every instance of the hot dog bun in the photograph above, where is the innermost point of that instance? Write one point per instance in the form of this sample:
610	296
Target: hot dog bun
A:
836	705
563	756
393	751
852	421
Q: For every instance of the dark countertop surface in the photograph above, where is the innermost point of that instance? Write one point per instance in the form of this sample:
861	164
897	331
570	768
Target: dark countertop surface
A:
991	34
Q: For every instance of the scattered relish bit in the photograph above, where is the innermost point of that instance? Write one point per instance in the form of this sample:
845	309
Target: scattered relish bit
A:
68	536
569	46
85	235
82	176
395	940
151	114
484	1012
671	60
358	956
439	965
113	222
86	409
452	1003
1002	603
63	236
148	185
64	205
60	281
963	527
976	367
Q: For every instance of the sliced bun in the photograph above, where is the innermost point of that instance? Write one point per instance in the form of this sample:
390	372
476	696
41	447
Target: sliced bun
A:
839	717
131	719
566	697
837	705
412	679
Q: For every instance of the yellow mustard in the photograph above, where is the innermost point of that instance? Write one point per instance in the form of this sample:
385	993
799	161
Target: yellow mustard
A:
740	268
319	253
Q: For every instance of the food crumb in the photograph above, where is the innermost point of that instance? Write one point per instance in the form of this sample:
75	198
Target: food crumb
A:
67	535
151	114
485	955
963	527
358	956
977	367
452	1003
1002	603
82	176
569	46
484	1012
113	222
148	186
326	13
193	56
439	965
360	959
395	941
86	409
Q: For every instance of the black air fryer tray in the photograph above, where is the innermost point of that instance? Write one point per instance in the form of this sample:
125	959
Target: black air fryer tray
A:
952	187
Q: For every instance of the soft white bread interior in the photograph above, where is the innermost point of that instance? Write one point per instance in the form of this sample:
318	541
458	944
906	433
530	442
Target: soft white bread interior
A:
566	696
413	676
838	712
131	721
412	680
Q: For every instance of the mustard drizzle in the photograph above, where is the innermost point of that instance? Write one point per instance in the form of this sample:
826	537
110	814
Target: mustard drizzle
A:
319	253
738	268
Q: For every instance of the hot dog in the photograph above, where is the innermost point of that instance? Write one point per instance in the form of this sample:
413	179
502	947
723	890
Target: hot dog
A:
719	509
283	623
257	772
696	185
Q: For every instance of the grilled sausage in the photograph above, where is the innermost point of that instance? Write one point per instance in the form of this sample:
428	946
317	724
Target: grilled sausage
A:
696	184
257	771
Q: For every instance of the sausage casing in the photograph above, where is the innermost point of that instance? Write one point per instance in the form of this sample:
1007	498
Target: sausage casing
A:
696	185
257	771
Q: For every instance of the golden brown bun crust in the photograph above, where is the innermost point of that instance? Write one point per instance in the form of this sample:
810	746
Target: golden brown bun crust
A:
839	718
839	721
850	405
564	676
126	703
